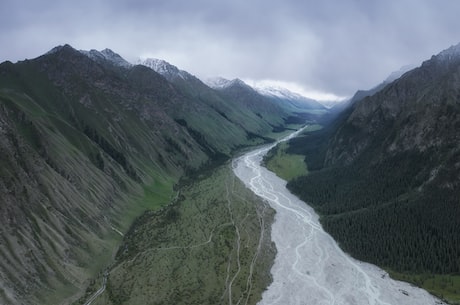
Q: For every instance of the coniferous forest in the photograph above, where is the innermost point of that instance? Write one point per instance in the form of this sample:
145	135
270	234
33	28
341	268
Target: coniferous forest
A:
390	211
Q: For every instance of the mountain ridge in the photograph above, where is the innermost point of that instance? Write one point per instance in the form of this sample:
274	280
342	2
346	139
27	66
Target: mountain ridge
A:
386	173
164	68
108	55
88	144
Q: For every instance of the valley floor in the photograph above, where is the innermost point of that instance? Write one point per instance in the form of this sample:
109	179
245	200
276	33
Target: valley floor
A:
211	246
310	268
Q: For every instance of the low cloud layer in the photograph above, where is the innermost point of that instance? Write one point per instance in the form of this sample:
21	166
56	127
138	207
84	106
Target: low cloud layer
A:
326	46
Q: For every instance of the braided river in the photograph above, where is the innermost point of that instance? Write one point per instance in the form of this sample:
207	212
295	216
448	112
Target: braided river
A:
310	268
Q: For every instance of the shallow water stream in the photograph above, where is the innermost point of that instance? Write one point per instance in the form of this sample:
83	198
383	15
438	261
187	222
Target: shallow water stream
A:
309	267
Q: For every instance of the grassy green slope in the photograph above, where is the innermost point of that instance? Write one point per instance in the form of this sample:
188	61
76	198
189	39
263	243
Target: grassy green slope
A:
286	166
85	149
62	194
284	162
229	117
211	246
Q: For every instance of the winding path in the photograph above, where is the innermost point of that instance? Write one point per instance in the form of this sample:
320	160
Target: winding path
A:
99	291
309	267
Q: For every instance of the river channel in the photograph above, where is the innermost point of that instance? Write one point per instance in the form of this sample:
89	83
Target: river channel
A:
309	267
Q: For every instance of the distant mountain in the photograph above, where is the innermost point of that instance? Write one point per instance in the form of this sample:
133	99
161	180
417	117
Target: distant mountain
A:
234	109
397	74
220	83
237	91
107	55
87	143
360	94
386	173
431	86
336	109
300	107
284	95
276	93
164	68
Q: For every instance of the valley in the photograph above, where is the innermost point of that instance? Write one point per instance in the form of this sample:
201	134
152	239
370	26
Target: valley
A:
383	175
139	183
89	143
212	245
310	268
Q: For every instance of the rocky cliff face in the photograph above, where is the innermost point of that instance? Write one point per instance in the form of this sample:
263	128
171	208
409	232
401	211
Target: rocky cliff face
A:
387	180
88	142
77	147
420	111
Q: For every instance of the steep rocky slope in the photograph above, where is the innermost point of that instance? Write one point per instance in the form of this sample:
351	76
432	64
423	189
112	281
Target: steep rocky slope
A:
264	106
237	116
386	179
87	143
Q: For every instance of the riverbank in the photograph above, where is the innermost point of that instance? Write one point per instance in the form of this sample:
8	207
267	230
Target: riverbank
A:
309	267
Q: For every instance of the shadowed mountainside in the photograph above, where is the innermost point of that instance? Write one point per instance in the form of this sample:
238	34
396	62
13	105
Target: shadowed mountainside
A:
385	172
88	142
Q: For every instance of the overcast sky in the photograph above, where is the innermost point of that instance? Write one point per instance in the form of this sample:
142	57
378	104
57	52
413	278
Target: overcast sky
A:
325	46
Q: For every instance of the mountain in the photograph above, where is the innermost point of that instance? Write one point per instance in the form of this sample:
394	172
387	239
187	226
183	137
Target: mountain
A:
385	176
397	74
164	68
283	95
335	110
243	93
220	83
210	246
88	142
278	94
299	109
107	55
236	111
360	94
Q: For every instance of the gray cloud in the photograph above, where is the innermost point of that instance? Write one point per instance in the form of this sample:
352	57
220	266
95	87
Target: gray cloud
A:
330	46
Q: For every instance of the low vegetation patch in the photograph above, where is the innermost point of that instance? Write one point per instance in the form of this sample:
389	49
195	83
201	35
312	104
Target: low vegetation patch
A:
447	287
284	165
210	246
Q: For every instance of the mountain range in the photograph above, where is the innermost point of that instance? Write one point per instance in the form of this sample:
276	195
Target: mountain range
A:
103	161
384	174
88	142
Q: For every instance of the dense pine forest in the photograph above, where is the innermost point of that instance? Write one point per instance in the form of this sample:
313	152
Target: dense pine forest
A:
378	215
384	176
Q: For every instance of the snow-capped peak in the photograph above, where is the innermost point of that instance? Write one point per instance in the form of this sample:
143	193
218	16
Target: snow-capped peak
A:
158	65
164	68
273	90
222	83
107	55
277	91
217	82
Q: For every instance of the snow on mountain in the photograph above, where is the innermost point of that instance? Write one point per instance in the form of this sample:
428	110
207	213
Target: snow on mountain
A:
279	92
164	68
222	83
217	82
107	55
